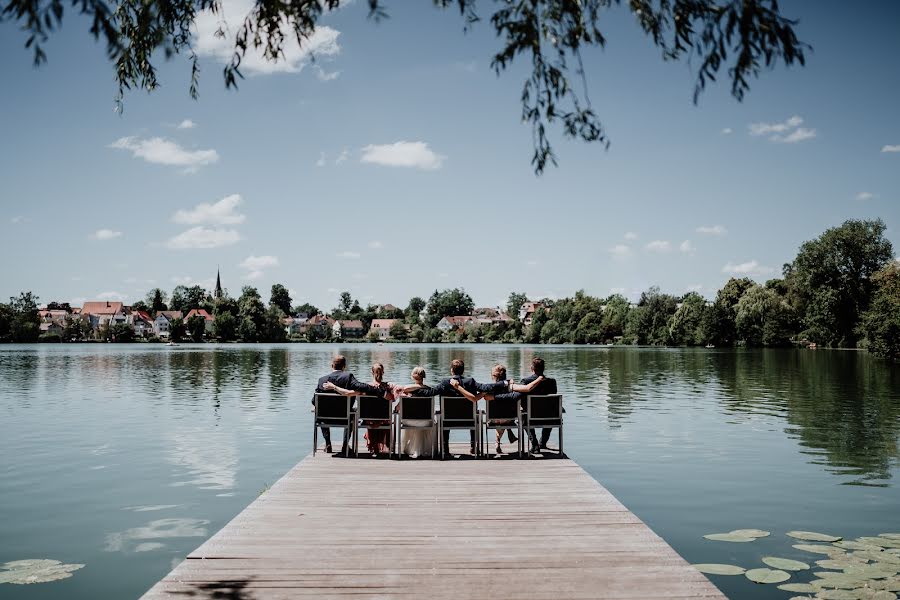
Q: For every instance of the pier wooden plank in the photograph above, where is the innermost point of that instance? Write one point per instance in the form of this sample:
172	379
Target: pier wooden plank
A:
342	528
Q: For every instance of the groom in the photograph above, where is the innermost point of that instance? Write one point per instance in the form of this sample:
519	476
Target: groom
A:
341	378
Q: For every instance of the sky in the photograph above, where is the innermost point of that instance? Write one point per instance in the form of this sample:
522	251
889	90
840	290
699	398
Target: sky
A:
396	163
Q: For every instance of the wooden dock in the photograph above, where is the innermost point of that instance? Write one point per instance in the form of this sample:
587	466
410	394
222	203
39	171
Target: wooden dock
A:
367	528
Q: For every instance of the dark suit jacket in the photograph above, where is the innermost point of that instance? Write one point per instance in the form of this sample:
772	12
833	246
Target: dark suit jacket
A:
347	381
470	385
547	386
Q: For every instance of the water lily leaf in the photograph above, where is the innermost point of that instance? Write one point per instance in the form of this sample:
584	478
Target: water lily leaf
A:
717	569
890	585
851	545
820	549
728	537
754	533
870	571
880	541
812	536
890	536
840	595
883	595
837	580
767	575
838	564
804	588
885	557
785	564
38	570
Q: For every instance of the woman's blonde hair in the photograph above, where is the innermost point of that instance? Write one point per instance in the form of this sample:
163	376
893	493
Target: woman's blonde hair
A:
378	371
418	373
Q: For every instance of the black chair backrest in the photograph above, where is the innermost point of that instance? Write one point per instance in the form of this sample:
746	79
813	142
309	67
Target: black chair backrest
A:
457	409
544	407
373	407
333	406
417	407
501	408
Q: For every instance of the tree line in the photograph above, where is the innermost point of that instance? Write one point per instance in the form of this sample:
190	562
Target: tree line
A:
841	290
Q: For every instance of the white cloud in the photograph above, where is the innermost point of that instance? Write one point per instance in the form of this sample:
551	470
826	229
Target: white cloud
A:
798	135
376	244
712	230
891	148
695	287
106	234
348	254
116	296
203	237
469	67
687	247
403	154
617	290
751	267
659	246
786	132
256	265
321	161
727	131
620	251
187	280
326	76
161	151
217	213
531	263
344	155
630	235
19	219
865	196
332	290
186	124
757	129
323	43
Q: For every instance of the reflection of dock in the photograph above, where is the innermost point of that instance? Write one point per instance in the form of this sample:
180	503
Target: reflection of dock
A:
336	528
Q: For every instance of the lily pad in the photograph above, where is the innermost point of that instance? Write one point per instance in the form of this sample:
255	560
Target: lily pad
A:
767	575
38	570
840	595
812	536
803	588
890	585
880	541
852	545
728	537
820	549
883	595
754	533
870	571
883	557
785	564
717	569
890	536
840	563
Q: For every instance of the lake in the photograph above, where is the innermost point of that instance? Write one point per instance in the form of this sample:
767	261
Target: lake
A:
126	458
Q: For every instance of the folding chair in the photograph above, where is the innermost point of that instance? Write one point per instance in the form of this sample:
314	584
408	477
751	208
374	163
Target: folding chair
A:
375	413
415	408
545	410
458	413
334	410
504	413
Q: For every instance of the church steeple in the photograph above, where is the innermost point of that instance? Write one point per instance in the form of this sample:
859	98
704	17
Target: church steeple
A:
218	293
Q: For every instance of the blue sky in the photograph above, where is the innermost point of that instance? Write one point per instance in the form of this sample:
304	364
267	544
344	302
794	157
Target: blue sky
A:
397	164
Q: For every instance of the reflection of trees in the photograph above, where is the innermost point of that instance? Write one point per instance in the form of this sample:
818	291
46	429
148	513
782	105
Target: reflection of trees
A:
840	403
279	373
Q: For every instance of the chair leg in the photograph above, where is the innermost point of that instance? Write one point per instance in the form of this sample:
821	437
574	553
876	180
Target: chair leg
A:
561	440
315	437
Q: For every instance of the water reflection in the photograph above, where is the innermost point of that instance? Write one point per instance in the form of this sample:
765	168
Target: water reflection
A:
205	459
135	539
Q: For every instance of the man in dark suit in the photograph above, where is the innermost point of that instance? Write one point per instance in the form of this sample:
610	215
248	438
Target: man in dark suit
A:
547	386
445	388
341	378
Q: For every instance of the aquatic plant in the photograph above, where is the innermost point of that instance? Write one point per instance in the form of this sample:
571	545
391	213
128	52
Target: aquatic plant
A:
35	570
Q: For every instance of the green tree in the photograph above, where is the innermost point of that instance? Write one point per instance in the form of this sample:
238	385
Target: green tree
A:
737	38
881	323
763	318
727	300
247	330
250	310
683	330
225	326
306	309
25	324
398	331
514	303
75	329
346	303
615	315
448	303
177	329
280	298
121	333
185	298
832	279
196	327
156	300
273	325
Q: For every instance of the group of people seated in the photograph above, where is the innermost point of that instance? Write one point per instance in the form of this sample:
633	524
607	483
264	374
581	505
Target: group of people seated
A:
420	442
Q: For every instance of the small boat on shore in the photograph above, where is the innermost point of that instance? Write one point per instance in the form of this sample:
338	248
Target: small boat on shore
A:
171	344
710	346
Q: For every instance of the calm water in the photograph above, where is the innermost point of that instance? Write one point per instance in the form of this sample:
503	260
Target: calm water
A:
127	458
